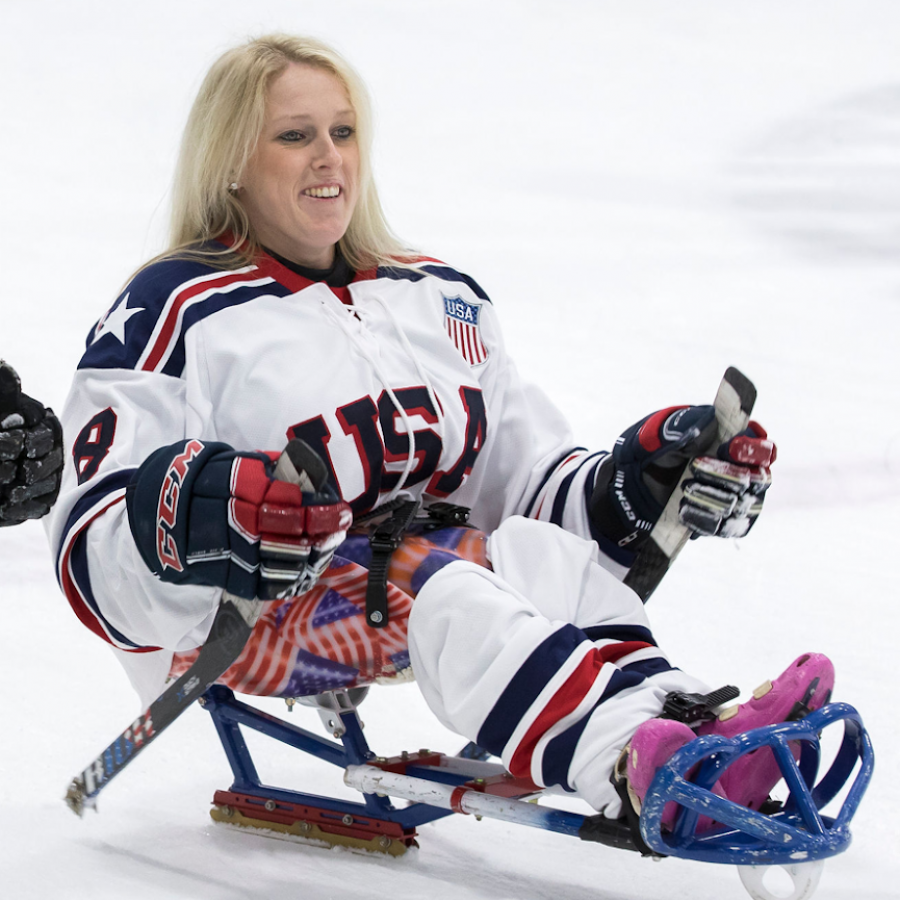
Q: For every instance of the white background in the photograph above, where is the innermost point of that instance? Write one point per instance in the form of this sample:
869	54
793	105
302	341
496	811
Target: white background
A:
649	192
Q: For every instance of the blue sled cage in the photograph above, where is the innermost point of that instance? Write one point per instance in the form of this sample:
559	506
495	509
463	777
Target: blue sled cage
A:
788	833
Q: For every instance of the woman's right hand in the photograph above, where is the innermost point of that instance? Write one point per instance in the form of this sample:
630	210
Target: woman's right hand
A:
203	513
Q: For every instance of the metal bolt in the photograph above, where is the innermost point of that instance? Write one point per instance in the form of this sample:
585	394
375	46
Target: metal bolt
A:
227	811
304	826
384	841
376	616
201	701
424	751
271	805
404	755
348	819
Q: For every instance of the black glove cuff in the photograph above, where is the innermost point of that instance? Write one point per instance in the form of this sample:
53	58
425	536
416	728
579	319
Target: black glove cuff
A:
607	520
606	526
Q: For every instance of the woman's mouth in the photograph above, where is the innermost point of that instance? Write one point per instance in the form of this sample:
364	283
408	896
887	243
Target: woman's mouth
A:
323	193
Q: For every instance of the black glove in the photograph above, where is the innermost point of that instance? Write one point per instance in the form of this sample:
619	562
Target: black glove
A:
31	453
723	497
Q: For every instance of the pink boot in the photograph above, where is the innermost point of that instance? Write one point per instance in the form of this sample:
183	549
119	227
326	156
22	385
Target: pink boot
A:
803	687
651	746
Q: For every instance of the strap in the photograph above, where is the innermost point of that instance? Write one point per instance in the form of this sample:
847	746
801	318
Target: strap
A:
384	539
630	818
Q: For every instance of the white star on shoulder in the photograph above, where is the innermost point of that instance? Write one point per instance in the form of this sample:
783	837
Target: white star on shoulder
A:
114	321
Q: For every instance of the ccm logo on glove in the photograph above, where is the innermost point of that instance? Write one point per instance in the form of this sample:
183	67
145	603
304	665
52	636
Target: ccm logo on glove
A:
167	513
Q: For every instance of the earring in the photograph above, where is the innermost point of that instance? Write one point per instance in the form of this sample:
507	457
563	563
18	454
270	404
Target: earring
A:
233	186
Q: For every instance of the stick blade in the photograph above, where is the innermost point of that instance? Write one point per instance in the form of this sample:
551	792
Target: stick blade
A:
743	387
300	464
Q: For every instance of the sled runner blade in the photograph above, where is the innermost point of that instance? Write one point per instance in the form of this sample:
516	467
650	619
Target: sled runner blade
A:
310	825
733	404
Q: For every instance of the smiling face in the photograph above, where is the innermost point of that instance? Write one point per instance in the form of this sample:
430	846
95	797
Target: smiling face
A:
301	185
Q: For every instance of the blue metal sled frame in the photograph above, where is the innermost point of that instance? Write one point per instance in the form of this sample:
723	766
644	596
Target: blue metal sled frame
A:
454	784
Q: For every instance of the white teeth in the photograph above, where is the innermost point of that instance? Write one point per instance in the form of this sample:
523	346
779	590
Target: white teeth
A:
331	191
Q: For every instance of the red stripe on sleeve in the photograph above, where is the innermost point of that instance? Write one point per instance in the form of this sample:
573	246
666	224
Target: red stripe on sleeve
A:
79	605
168	330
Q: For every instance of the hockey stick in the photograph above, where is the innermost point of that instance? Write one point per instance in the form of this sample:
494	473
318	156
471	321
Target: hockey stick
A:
733	404
230	631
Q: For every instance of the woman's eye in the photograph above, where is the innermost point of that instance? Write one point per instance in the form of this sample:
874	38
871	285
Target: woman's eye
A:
291	136
344	132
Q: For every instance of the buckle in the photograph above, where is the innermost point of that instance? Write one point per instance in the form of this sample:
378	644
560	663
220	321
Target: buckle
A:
686	707
387	536
443	513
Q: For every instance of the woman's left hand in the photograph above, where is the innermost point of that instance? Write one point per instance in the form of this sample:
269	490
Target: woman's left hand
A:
723	496
725	493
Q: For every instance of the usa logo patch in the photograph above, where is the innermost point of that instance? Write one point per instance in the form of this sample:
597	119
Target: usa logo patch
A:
461	319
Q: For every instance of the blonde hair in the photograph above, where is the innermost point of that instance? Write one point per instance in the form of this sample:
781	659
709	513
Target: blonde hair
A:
221	135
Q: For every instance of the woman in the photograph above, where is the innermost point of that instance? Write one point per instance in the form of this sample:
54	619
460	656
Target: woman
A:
286	308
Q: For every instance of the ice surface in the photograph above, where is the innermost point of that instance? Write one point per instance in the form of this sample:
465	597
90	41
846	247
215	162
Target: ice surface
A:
650	192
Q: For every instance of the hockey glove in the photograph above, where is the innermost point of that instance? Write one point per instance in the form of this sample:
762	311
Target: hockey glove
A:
204	513
723	497
31	453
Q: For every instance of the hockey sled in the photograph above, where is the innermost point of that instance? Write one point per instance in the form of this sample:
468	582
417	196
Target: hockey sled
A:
794	834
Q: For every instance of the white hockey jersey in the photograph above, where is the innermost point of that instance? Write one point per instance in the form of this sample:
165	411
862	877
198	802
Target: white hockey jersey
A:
399	379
